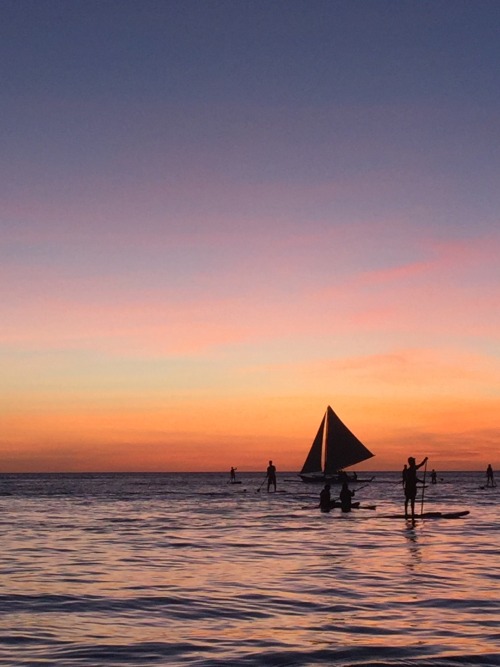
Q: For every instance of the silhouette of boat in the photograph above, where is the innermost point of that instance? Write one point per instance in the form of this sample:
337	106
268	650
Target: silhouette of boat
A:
334	448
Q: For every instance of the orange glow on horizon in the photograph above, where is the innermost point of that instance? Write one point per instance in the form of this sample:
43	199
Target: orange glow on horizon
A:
211	436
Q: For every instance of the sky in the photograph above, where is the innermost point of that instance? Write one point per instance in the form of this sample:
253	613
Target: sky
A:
218	217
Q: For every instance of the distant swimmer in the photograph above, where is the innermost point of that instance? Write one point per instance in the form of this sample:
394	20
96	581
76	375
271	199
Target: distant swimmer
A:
410	485
433	477
490	481
232	474
346	497
271	476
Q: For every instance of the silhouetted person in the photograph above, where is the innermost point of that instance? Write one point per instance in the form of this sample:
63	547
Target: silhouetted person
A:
433	476
489	476
403	475
232	474
346	497
325	500
271	476
410	485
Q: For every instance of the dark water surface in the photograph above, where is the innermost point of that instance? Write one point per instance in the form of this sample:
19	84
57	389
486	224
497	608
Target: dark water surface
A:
175	569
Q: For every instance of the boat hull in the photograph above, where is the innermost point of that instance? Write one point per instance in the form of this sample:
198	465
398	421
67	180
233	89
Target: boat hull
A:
334	479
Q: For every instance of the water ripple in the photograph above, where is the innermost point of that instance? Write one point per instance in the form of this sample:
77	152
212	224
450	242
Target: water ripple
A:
138	570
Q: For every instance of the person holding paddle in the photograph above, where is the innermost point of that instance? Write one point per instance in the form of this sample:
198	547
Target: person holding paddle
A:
410	485
271	476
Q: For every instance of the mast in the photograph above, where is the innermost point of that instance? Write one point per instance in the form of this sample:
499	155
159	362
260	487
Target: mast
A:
325	442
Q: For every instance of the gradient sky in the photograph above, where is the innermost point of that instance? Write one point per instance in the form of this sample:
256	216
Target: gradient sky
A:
219	217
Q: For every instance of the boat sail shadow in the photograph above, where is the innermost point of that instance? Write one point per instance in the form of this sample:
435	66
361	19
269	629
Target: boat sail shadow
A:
334	448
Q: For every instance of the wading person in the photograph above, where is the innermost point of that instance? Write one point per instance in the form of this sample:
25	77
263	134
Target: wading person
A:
410	485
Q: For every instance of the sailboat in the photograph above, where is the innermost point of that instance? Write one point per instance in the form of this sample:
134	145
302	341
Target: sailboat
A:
334	449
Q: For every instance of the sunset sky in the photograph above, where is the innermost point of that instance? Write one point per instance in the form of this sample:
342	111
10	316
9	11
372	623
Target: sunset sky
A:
218	217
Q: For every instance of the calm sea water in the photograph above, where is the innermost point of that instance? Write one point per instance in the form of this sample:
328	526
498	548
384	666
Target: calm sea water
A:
172	569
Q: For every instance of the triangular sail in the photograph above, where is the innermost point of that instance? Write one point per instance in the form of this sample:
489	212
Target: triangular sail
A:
313	460
342	448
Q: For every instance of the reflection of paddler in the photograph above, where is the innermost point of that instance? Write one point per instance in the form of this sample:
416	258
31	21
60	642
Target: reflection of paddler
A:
346	498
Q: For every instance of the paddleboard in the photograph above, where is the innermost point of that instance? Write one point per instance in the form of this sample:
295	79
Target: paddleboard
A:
430	515
355	506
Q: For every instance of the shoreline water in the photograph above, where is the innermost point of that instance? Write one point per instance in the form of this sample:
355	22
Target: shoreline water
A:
183	569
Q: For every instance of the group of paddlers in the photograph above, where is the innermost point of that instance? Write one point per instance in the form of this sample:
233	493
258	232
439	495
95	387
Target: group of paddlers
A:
409	481
270	477
345	498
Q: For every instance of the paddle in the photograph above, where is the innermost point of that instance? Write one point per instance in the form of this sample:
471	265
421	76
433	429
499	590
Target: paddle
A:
423	487
260	487
362	487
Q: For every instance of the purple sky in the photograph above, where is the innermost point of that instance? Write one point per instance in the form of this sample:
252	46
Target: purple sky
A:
217	203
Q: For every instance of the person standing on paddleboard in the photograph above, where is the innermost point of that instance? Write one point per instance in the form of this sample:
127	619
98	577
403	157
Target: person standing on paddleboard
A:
410	485
271	476
489	476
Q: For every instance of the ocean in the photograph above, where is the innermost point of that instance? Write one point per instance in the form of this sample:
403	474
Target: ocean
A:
186	569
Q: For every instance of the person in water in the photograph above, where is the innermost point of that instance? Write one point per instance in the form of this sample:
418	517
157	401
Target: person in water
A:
325	499
346	497
403	475
490	481
232	474
410	485
271	476
433	477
